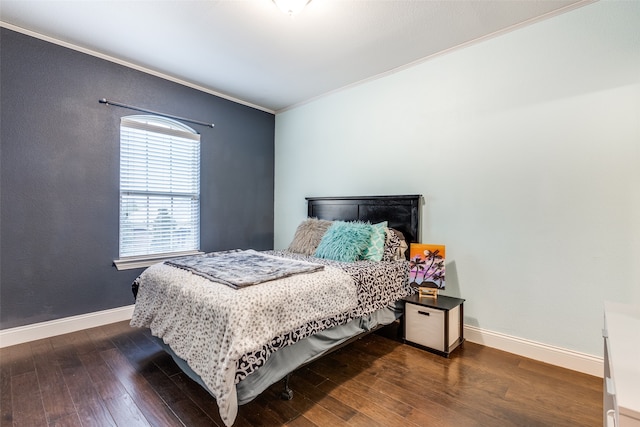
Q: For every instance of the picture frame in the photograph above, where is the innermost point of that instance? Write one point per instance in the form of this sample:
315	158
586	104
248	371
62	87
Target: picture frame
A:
427	267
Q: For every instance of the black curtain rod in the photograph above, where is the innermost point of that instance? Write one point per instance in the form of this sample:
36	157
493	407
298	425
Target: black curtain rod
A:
131	107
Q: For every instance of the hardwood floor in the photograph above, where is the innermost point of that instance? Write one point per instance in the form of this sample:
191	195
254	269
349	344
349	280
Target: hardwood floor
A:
116	376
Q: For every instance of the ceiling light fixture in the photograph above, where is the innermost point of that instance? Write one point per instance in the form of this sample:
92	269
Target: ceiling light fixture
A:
291	7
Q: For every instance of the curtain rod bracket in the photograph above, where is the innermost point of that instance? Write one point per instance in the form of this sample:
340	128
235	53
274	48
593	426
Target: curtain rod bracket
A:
105	101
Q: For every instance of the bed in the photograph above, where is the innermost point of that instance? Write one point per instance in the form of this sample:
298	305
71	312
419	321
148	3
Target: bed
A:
236	336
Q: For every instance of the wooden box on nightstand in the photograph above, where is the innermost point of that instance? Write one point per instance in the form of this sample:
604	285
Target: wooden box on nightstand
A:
434	324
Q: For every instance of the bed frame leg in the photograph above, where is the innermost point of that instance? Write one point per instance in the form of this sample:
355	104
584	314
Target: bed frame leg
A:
287	393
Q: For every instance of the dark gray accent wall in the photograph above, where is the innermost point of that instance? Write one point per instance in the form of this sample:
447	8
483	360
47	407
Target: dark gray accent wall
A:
59	176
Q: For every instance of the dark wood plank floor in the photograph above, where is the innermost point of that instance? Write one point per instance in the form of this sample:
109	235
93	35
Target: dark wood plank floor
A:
116	376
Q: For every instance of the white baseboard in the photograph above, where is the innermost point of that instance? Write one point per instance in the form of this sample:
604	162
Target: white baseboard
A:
52	328
564	358
557	356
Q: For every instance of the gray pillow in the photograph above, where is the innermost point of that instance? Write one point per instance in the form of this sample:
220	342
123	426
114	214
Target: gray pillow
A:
308	236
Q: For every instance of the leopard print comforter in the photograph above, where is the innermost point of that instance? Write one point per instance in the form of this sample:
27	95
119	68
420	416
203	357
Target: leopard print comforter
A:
224	334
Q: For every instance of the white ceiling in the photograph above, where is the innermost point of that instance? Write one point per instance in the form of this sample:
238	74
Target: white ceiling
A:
247	50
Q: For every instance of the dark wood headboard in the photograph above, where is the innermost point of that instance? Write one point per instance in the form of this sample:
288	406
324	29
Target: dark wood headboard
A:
401	212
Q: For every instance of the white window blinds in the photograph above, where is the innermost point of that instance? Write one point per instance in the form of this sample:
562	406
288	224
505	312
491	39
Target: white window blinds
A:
159	187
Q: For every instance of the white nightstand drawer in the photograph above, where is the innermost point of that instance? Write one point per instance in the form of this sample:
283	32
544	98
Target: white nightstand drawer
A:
434	324
425	326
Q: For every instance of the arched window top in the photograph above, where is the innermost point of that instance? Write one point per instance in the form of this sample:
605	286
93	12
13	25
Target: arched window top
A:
160	124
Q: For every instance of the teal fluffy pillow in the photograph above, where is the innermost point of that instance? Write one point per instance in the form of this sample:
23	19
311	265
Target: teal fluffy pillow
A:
375	248
344	241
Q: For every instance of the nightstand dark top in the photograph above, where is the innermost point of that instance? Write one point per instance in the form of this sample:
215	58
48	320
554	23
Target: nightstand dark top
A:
443	302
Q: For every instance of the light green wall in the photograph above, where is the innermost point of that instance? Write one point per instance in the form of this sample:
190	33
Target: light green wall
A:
526	148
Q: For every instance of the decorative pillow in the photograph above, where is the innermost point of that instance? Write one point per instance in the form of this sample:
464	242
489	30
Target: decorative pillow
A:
344	241
308	236
391	246
395	246
402	254
375	249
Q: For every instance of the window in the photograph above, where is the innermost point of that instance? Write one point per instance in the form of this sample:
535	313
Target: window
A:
159	190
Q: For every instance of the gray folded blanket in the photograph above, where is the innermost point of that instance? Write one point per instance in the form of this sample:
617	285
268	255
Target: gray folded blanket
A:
239	269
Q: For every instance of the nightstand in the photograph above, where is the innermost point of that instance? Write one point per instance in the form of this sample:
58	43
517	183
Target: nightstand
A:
434	324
